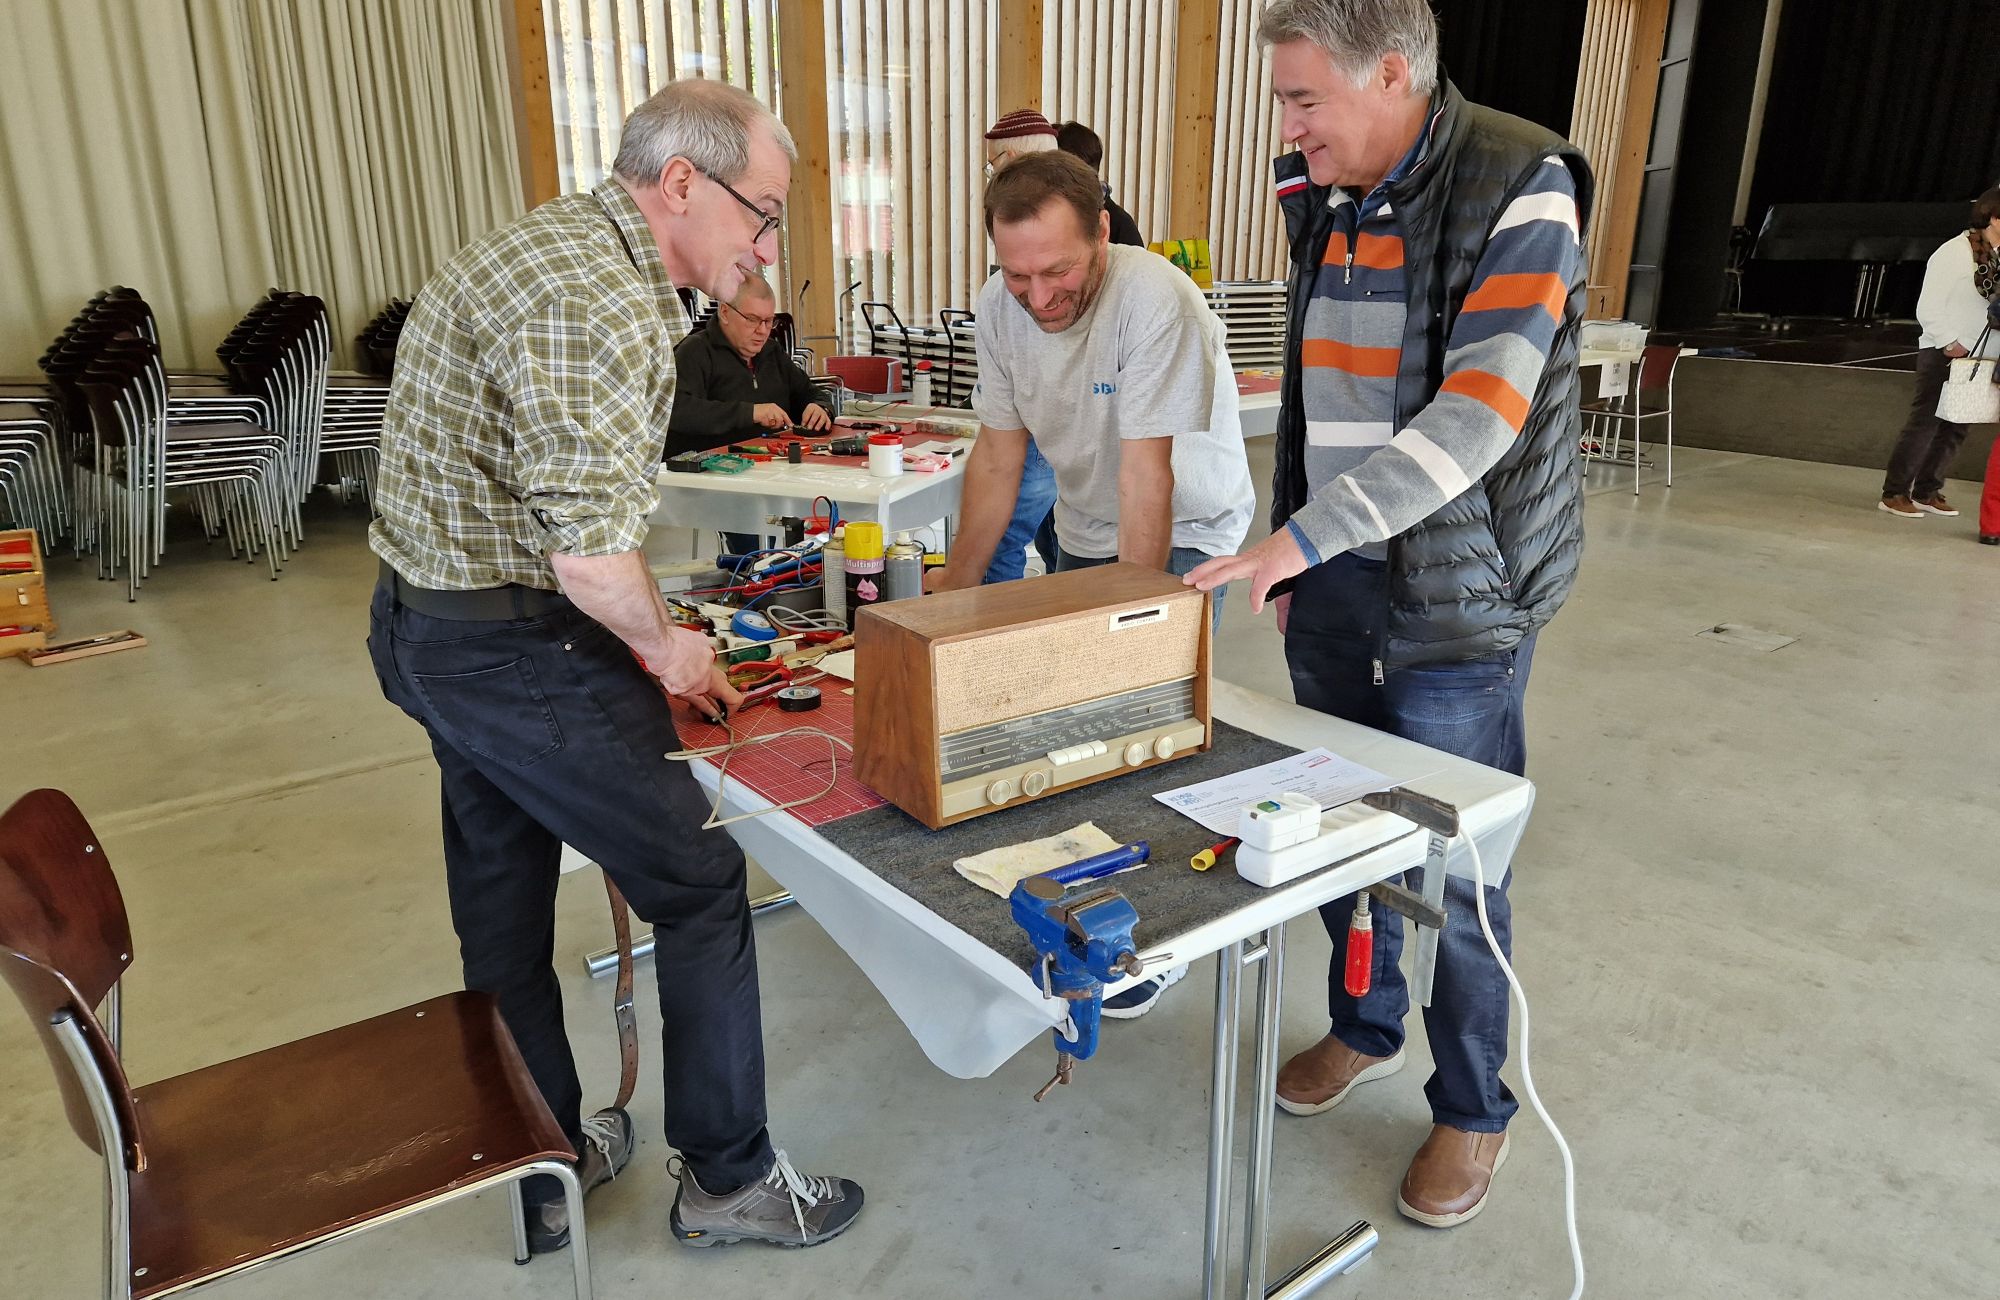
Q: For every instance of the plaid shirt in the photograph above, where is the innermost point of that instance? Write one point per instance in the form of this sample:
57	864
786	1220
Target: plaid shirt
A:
529	409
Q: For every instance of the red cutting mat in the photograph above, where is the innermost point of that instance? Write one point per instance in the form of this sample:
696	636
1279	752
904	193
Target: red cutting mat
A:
795	767
1257	381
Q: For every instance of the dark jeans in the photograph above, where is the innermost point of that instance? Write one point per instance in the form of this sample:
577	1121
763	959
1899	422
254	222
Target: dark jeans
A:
1181	561
1927	444
1471	709
1033	521
547	732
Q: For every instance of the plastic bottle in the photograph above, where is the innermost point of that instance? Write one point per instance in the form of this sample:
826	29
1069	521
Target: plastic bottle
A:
904	569
833	573
920	387
865	566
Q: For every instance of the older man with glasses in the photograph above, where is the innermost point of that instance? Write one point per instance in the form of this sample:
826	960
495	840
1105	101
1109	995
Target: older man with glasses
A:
735	381
516	620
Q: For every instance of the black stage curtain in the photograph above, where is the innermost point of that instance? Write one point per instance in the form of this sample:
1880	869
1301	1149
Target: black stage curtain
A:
1881	101
1518	56
1873	101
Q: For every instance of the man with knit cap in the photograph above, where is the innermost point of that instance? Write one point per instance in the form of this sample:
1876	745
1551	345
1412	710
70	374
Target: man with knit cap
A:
1021	132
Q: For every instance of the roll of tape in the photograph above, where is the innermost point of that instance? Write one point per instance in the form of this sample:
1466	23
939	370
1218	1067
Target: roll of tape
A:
798	699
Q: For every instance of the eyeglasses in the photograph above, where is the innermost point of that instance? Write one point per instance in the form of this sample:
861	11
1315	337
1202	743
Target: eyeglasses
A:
754	322
770	220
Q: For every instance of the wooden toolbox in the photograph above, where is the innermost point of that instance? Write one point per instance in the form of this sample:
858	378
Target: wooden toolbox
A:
25	619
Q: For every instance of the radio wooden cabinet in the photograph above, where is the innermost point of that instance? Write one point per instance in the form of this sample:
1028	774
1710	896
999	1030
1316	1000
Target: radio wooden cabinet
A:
968	701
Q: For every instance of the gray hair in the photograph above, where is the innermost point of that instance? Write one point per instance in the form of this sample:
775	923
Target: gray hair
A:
1357	33
709	123
755	286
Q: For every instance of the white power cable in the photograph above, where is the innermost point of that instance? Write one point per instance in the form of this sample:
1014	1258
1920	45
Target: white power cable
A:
834	745
1527	1075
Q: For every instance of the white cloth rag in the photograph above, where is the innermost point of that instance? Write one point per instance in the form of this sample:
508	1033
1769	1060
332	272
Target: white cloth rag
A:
999	870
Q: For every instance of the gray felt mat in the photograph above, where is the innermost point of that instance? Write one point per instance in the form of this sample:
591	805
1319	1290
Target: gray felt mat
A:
1170	896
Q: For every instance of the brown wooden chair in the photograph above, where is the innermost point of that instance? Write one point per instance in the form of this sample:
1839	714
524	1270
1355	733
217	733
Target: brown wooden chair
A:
239	1165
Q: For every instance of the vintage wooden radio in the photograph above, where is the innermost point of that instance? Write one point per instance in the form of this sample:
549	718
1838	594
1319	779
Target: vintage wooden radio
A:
968	701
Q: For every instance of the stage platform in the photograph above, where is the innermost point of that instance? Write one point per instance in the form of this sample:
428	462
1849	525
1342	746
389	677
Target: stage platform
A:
1822	390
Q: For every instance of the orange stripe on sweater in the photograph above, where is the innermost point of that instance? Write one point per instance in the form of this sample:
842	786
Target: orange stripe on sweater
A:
1544	289
1379	252
1484	386
1369	363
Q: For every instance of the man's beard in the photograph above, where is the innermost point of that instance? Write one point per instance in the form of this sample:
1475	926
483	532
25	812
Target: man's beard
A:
1093	284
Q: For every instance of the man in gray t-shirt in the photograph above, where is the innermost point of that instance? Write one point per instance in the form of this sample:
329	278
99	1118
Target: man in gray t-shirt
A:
1111	358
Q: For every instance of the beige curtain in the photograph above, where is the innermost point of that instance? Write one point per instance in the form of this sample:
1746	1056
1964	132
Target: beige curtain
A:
112	175
205	151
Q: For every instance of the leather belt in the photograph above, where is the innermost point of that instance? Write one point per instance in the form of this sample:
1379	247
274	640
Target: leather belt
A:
486	605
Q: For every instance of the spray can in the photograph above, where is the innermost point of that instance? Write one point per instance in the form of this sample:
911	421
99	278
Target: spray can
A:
905	569
864	566
920	387
833	573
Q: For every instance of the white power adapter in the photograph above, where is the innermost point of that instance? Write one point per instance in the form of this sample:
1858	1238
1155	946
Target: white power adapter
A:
1273	824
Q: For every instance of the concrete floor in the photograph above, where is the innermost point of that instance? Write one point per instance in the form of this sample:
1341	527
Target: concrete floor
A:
1751	913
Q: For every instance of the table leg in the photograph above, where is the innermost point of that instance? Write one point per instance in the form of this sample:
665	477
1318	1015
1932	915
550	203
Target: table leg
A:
605	960
1263	1110
1338	1256
1221	1123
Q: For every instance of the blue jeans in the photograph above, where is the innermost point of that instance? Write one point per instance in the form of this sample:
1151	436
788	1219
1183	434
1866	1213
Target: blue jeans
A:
1033	521
1471	709
1181	561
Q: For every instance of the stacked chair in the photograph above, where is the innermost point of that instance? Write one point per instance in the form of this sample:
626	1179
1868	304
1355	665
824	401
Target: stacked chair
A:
240	447
351	434
34	486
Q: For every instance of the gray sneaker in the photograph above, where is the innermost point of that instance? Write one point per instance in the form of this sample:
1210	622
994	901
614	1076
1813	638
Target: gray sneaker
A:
608	1141
784	1207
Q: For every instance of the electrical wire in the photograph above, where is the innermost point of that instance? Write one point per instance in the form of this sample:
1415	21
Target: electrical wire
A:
1527	1075
834	744
787	619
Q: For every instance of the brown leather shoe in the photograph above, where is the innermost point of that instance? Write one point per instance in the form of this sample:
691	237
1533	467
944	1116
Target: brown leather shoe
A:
1319	1078
1937	505
1901	507
1450	1176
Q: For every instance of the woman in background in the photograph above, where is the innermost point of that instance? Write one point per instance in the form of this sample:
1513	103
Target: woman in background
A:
1961	280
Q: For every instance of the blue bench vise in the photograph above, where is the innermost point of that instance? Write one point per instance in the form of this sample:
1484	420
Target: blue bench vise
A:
1083	940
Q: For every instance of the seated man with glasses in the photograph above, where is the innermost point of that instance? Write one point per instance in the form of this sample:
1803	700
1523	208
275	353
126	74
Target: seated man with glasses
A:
736	382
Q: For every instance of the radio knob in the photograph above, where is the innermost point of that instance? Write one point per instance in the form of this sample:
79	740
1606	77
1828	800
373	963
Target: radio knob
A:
1135	753
1034	783
1163	747
1000	791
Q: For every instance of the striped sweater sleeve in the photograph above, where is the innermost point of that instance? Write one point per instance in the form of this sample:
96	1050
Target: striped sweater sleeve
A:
1494	359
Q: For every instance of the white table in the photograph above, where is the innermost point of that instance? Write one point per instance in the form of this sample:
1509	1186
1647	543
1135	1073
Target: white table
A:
746	502
971	1009
1259	413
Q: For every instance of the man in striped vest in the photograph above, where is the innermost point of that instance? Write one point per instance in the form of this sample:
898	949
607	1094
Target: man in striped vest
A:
1427	504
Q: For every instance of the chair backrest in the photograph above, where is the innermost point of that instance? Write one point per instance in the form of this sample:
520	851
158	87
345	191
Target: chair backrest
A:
64	943
867	374
1656	365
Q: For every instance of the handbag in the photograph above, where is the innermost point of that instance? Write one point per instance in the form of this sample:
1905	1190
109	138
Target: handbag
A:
1971	392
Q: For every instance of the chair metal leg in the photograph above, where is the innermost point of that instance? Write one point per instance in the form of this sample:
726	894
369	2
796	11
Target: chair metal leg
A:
517	1212
579	1248
1670	438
